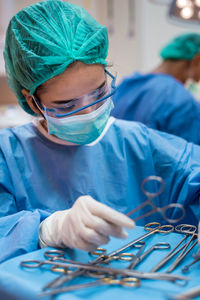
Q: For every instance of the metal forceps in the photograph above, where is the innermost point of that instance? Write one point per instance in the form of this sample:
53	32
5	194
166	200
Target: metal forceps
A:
101	252
125	281
150	195
189	229
121	256
196	259
65	263
184	251
188	295
157	246
153	227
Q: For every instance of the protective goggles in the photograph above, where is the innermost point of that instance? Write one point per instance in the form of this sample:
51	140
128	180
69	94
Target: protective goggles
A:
76	105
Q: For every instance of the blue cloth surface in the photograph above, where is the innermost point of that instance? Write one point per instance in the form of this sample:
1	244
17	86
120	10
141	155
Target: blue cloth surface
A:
27	283
160	102
39	177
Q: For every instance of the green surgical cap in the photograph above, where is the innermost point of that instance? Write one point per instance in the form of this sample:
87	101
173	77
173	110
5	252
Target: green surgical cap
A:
185	46
44	38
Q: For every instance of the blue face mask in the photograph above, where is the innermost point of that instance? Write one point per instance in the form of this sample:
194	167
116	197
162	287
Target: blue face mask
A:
81	129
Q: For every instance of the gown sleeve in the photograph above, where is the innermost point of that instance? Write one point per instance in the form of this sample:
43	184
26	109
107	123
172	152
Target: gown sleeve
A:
18	229
178	163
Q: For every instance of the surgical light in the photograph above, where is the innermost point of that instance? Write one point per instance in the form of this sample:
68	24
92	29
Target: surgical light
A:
183	3
197	3
185	10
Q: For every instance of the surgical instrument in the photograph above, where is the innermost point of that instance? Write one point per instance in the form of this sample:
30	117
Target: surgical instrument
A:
152	228
179	259
77	264
139	245
135	259
121	256
122	272
172	253
66	263
126	282
162	210
190	294
184	251
196	259
158	246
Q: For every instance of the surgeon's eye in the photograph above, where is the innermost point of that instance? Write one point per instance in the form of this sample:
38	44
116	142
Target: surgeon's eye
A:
68	107
102	94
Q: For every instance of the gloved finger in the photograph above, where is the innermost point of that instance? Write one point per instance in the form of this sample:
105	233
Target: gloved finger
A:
107	213
84	245
105	228
116	231
79	243
81	236
91	236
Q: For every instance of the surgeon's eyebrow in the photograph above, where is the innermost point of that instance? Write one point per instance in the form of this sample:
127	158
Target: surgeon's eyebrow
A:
67	101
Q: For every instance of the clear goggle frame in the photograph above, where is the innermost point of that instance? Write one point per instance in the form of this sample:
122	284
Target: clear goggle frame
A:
96	97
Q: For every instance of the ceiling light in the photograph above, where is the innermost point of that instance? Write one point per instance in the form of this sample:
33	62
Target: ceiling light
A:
186	12
183	3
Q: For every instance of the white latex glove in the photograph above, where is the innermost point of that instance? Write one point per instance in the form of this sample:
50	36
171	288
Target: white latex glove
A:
86	225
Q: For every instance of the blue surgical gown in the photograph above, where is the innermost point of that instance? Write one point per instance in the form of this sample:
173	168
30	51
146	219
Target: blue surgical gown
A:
160	102
39	177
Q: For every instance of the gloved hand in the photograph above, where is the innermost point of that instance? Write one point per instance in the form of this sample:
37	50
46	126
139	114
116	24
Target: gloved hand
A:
86	225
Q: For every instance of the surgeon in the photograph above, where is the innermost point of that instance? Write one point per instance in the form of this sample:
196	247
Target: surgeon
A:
69	178
159	99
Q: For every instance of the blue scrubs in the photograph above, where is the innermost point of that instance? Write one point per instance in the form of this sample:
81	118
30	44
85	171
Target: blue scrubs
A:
38	177
160	102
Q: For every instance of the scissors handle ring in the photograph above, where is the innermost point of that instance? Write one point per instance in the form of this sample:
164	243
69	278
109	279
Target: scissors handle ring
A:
153	178
110	258
152	226
31	263
126	256
127	281
57	269
166	228
98	252
172	206
186	228
54	253
130	281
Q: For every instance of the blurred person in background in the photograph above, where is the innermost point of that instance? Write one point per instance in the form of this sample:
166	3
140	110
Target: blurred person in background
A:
159	99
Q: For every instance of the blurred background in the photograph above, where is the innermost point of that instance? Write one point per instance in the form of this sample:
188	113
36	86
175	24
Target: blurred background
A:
137	31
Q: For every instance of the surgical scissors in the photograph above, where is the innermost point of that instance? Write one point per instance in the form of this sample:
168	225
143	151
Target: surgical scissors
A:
150	195
153	227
